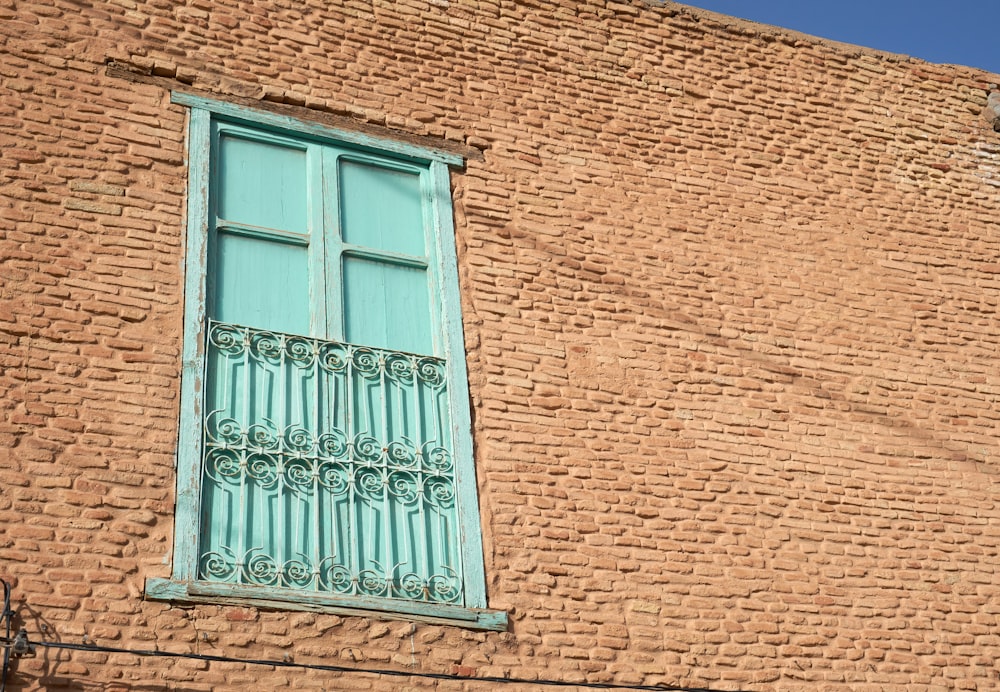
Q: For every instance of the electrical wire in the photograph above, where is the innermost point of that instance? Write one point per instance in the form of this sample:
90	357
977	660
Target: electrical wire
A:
347	669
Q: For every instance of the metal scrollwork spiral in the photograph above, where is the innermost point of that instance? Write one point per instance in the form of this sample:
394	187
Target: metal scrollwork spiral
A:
298	439
263	468
299	474
261	569
401	454
443	588
217	566
297	573
402	486
332	444
300	350
262	436
223	429
334	477
228	339
372	583
223	464
399	367
266	345
338	578
430	371
367	448
332	356
437	458
411	586
439	491
366	362
370	482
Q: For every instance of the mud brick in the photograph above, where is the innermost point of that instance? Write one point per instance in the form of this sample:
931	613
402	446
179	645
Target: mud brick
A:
729	297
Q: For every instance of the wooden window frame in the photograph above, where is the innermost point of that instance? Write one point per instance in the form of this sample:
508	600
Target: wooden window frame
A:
183	586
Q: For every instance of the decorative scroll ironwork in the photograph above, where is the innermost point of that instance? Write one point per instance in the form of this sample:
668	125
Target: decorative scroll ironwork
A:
327	467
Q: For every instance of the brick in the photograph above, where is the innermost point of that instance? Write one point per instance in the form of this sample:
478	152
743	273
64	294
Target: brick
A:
731	334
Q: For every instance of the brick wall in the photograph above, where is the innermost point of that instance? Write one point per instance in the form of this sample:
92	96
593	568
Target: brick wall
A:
730	305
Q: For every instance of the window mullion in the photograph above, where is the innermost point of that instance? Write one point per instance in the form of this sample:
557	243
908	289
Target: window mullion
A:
316	213
334	246
430	183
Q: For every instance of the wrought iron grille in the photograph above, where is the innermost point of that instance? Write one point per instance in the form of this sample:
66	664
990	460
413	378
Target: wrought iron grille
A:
327	467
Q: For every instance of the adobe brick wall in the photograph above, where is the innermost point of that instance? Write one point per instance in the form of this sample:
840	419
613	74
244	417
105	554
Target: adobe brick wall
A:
730	306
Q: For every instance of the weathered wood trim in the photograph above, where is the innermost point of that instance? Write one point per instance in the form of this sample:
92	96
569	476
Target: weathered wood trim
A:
359	606
470	539
187	508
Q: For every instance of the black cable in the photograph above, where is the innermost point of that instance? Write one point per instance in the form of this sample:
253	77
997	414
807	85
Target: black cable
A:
371	671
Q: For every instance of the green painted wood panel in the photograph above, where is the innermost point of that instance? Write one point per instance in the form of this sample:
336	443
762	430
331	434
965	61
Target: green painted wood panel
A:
261	283
387	305
381	208
261	183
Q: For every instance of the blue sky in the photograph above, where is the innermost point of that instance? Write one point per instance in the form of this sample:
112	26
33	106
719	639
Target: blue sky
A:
965	32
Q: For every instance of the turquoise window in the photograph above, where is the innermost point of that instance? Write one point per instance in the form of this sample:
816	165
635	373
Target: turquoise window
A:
325	455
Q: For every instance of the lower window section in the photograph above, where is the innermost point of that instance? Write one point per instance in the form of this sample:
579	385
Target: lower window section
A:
327	467
327	481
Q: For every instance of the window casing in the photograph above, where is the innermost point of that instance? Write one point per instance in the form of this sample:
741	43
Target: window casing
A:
325	454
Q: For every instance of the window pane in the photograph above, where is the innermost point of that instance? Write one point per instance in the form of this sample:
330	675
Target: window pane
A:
261	283
380	208
386	306
262	184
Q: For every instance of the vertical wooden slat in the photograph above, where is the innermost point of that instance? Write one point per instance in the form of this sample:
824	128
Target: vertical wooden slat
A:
279	521
243	401
426	567
388	550
318	493
316	204
354	560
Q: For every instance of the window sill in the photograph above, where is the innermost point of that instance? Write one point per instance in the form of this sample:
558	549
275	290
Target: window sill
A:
273	598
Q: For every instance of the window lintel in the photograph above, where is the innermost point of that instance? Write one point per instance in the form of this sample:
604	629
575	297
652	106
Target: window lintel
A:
256	117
